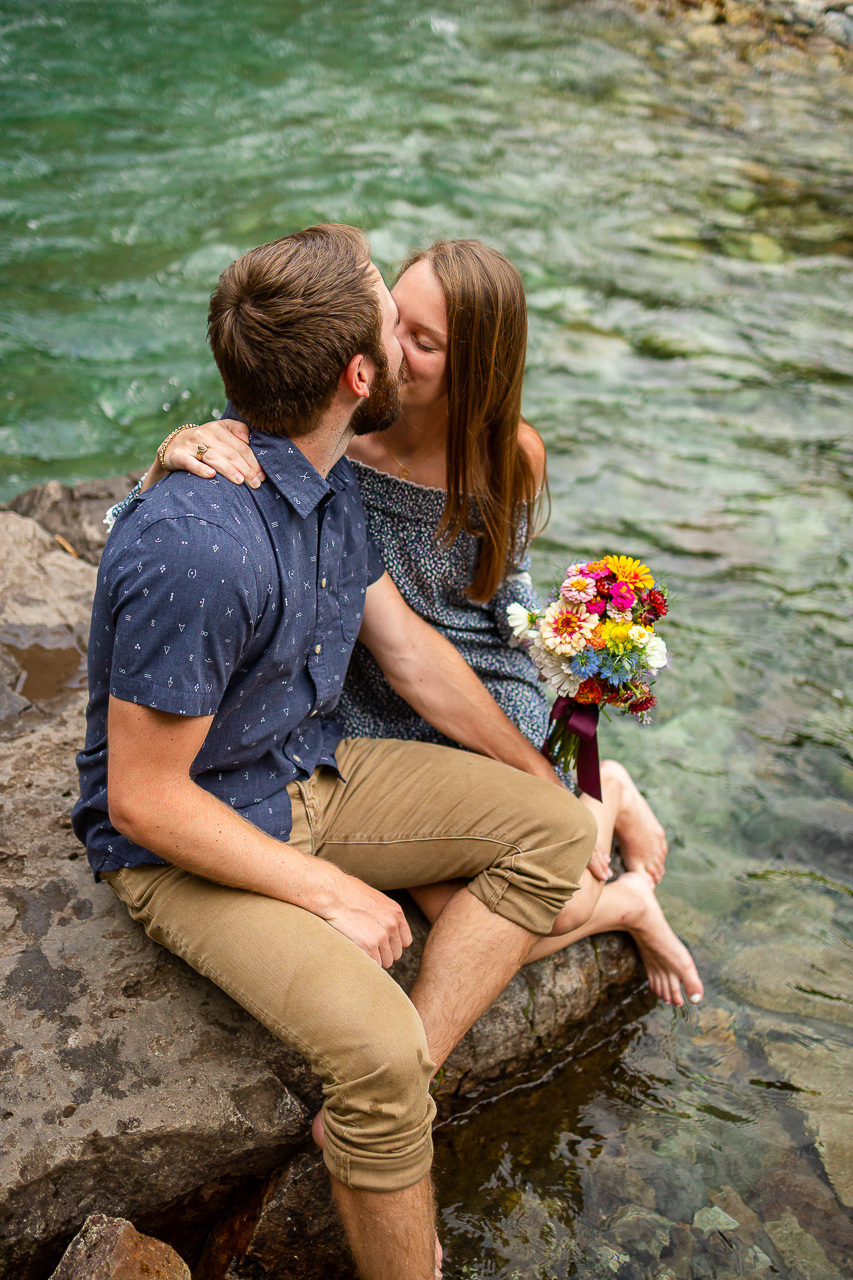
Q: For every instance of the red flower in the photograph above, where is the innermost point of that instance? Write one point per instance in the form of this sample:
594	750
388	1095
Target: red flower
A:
657	600
644	704
591	690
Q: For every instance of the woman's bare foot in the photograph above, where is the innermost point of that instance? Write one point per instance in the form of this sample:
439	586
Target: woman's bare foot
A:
667	961
642	839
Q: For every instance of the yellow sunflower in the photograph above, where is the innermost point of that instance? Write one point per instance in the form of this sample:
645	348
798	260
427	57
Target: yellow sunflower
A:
630	571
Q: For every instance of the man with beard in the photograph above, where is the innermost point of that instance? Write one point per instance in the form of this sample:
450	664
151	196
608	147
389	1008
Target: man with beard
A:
234	822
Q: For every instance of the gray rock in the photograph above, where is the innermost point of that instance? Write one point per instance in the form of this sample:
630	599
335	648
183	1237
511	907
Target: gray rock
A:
642	1233
45	607
75	514
713	1218
839	27
112	1249
290	1232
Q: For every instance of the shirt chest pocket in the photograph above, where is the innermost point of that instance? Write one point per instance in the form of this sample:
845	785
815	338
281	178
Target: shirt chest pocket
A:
347	583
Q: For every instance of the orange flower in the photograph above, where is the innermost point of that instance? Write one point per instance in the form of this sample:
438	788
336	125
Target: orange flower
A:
630	571
596	640
591	690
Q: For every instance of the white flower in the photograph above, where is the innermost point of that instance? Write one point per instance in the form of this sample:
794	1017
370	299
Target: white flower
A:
521	620
639	635
618	615
653	653
553	672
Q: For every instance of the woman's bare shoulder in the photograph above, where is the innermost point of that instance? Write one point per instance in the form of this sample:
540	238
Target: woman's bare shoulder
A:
534	447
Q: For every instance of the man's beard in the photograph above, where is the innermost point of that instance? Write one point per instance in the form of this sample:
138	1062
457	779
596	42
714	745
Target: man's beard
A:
382	408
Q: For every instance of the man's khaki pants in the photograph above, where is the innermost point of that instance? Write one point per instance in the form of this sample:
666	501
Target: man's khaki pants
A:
408	814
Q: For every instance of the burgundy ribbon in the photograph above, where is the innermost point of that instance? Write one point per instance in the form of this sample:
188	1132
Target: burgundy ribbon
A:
582	721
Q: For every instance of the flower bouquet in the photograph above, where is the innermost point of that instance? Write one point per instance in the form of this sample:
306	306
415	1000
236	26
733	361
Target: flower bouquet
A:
595	646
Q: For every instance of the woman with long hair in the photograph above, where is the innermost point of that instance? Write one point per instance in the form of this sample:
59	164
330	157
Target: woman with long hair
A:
452	493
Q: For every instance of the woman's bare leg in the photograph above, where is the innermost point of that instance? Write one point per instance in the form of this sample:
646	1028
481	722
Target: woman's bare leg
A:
642	839
433	898
629	904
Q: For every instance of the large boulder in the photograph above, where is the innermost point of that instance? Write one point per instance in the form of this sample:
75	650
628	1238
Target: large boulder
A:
45	606
131	1086
75	514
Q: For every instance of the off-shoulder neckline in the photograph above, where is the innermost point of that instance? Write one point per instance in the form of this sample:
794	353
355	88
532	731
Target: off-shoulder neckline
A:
413	484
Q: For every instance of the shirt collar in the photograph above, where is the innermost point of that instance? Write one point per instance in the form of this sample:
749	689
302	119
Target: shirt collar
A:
289	471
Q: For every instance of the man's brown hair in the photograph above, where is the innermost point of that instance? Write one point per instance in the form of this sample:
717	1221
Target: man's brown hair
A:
286	319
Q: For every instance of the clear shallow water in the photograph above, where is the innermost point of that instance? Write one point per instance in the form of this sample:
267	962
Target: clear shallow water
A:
684	225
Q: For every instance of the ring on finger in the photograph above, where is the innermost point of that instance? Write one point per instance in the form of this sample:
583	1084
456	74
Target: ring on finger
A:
201	450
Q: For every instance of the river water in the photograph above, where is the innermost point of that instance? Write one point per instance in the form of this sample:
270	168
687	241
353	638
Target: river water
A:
683	219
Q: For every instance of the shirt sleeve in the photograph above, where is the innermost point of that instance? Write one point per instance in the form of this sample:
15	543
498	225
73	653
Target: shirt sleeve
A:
184	600
375	563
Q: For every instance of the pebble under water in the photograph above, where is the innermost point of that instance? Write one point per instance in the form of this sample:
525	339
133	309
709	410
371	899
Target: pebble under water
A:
683	219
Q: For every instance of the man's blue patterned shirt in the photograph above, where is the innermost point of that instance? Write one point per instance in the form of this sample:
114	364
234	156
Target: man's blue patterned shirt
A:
216	599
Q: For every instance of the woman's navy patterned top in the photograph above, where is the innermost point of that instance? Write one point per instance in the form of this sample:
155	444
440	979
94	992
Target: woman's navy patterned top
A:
403	518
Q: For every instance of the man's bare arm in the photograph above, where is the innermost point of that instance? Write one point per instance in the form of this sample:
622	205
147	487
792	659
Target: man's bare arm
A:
155	803
438	683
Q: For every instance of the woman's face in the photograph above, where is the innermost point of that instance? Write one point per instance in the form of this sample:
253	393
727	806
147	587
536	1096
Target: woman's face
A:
422	333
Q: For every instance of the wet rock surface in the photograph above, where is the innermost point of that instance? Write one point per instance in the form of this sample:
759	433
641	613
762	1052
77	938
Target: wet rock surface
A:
131	1086
111	1249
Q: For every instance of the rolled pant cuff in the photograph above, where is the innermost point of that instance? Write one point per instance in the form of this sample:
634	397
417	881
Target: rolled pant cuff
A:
516	904
379	1172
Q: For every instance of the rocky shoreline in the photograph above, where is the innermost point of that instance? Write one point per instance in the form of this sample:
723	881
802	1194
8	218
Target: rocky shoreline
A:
819	27
132	1087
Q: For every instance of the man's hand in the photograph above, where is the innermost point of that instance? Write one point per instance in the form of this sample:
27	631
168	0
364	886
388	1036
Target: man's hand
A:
370	920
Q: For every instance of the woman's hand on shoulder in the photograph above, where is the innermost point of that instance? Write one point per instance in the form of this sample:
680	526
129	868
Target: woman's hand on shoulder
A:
534	447
226	453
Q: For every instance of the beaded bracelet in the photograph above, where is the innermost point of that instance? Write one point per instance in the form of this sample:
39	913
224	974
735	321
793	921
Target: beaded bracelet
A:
161	452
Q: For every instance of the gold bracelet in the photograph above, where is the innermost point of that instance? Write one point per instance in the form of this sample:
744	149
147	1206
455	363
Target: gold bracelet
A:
161	452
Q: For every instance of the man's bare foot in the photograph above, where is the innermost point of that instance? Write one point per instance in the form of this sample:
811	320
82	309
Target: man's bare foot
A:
642	839
667	961
318	1133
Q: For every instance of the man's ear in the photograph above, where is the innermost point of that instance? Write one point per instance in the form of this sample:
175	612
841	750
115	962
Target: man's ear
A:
357	377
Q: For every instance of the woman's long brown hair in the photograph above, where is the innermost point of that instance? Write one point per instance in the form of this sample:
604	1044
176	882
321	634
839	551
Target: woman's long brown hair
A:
486	345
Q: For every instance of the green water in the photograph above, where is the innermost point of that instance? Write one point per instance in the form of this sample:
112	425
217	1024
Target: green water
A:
684	224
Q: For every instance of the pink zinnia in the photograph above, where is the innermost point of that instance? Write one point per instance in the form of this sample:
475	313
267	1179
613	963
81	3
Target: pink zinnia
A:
578	588
596	606
622	596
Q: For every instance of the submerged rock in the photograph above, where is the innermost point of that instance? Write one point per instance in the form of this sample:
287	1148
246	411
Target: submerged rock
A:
131	1086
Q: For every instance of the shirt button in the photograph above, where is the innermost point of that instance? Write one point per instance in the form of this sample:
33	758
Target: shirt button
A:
322	582
317	648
